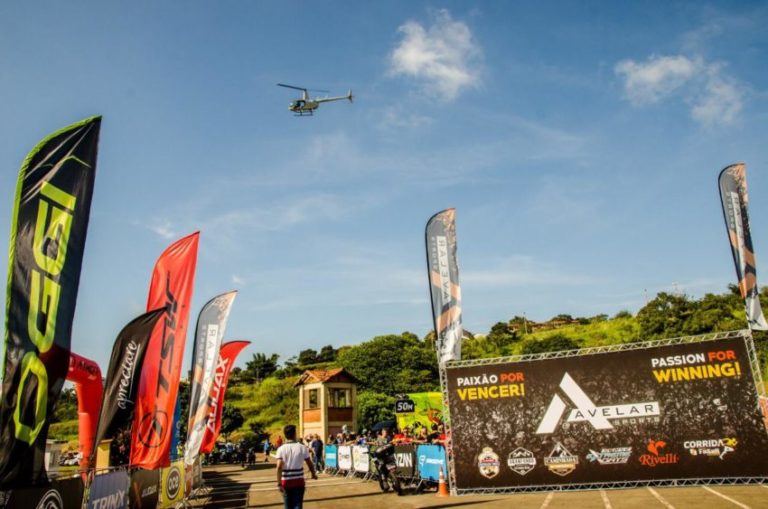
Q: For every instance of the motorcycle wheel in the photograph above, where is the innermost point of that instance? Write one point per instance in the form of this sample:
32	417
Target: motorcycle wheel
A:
395	482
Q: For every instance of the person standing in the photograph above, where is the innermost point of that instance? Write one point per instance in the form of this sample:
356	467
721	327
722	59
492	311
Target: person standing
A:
317	449
267	447
291	457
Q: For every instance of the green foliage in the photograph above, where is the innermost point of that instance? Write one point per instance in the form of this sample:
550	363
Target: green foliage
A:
392	364
553	343
261	398
268	405
307	357
231	419
327	354
261	366
373	407
66	406
64	430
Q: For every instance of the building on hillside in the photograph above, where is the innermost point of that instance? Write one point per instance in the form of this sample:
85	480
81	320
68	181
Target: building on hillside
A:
327	402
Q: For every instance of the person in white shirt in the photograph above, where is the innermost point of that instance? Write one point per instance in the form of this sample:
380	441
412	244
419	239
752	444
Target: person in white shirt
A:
291	457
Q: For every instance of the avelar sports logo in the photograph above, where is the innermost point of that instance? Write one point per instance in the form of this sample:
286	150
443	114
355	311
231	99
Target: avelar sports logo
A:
586	410
154	426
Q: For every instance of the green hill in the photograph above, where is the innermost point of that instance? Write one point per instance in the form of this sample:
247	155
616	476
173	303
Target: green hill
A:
261	398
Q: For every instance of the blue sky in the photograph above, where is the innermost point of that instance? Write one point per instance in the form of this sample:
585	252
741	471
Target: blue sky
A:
579	142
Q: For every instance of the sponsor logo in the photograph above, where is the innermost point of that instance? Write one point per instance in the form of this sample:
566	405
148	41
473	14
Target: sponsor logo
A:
126	374
82	365
114	501
711	447
173	483
213	398
423	460
51	500
153	427
610	456
488	463
521	461
55	214
586	410
657	456
148	491
404	459
560	461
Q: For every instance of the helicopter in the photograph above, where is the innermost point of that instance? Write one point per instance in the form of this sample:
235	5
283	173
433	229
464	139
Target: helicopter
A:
306	105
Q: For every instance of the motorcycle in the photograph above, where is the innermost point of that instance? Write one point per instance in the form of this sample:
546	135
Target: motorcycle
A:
386	466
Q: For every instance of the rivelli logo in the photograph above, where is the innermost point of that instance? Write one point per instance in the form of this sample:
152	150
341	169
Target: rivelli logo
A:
586	410
656	455
55	214
126	374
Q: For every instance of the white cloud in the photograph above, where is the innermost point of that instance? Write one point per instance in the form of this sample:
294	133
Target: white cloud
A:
648	82
444	56
237	280
163	228
715	97
721	102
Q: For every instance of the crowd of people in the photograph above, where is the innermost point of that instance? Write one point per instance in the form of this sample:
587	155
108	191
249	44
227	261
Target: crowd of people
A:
422	435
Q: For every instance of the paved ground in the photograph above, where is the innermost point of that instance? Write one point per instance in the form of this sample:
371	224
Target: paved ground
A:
232	486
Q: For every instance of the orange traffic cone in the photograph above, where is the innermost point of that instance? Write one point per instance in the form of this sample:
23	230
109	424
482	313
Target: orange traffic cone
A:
442	487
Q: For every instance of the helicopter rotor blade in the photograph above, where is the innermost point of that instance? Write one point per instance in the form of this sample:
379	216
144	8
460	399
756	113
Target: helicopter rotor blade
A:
318	90
291	86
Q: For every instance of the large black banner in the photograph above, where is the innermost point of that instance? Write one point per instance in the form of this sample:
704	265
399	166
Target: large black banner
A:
683	411
58	494
50	221
122	381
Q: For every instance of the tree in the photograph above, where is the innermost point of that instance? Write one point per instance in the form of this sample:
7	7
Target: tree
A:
388	364
501	335
261	366
231	419
327	354
373	407
554	343
308	356
715	313
183	395
664	316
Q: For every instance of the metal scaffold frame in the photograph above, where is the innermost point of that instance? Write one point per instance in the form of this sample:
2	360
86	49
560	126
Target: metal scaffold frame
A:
640	345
